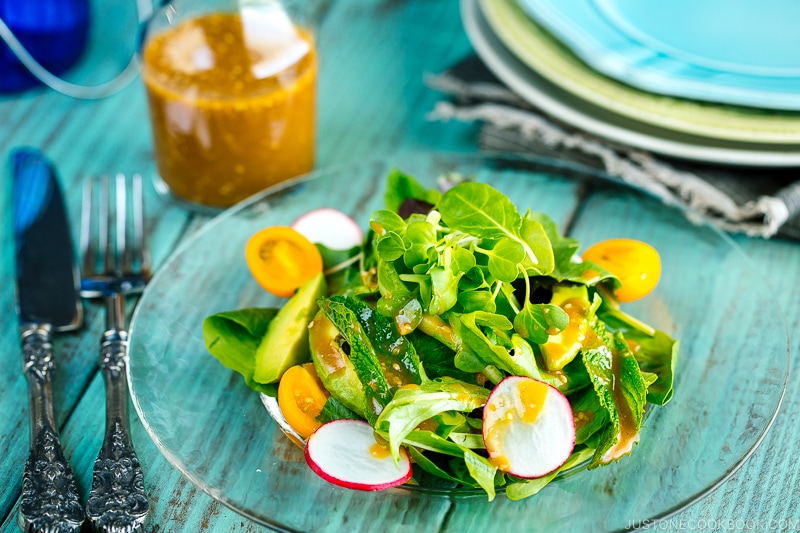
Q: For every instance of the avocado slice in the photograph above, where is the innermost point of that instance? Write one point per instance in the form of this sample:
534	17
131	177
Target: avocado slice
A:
333	366
286	341
562	347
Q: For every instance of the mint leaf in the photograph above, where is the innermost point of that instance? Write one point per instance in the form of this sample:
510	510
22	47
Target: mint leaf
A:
362	354
621	391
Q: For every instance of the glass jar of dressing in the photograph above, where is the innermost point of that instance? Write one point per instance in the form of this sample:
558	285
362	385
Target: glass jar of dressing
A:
231	87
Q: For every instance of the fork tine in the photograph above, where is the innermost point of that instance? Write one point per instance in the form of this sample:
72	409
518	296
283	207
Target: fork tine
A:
124	253
88	237
106	249
140	251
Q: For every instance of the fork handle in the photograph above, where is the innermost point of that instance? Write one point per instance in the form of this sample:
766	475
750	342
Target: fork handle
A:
50	500
117	502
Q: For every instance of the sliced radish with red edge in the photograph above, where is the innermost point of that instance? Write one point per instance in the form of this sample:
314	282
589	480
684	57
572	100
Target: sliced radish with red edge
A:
344	452
329	227
528	427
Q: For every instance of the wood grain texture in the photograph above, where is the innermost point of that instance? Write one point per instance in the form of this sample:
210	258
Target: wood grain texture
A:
372	103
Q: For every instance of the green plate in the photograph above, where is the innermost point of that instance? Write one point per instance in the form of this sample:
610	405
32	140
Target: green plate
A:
730	377
543	53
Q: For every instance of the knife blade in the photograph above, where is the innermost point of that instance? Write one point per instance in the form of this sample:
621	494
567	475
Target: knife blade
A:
48	301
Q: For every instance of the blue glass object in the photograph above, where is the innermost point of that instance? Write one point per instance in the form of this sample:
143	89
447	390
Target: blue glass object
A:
53	31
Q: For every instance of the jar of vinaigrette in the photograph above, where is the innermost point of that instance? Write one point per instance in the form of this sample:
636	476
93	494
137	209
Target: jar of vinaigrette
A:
231	87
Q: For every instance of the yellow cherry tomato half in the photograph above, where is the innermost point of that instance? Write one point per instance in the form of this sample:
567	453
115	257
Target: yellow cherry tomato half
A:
635	263
301	398
281	259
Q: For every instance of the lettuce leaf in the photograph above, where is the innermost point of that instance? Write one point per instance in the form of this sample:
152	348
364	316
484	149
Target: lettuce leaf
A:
412	405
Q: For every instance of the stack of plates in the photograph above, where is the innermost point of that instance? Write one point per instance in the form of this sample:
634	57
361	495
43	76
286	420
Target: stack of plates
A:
715	81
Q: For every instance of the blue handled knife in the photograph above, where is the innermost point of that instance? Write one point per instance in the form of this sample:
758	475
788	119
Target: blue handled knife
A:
47	302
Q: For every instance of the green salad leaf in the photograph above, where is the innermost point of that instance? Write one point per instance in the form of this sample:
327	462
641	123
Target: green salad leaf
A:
233	338
412	405
657	354
621	391
450	293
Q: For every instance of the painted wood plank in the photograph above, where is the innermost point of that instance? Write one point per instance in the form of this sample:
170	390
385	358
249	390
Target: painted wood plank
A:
373	103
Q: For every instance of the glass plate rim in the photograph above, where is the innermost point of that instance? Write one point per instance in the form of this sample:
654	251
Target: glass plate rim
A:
514	159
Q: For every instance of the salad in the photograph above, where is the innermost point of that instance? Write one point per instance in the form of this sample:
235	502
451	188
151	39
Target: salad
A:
457	343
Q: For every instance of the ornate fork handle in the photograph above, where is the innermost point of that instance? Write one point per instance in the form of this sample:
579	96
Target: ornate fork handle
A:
50	500
117	502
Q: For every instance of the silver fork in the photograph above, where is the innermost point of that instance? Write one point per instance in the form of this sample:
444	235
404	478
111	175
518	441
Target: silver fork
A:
115	263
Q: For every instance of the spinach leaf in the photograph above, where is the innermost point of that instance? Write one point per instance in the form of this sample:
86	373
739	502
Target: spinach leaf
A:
430	441
564	248
401	186
657	354
390	246
566	267
535	235
233	338
467	468
483	212
418	240
384	221
480	210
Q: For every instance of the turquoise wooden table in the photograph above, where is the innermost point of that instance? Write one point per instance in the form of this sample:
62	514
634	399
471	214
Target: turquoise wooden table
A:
372	103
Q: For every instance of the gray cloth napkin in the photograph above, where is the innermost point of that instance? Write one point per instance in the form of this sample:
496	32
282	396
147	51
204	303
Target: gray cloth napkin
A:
759	202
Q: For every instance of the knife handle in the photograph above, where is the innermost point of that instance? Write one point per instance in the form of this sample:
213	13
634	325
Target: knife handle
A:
50	500
117	501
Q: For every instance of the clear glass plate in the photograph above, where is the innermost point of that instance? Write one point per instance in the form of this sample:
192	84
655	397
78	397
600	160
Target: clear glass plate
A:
729	383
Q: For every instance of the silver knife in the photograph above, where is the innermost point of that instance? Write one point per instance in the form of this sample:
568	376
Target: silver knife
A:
47	302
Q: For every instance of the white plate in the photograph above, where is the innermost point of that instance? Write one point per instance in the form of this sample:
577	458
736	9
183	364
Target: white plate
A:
727	51
578	113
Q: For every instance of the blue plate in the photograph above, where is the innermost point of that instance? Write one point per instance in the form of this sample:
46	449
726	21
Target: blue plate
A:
725	51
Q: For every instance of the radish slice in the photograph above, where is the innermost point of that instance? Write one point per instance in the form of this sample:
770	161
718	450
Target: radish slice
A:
528	427
345	453
329	227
